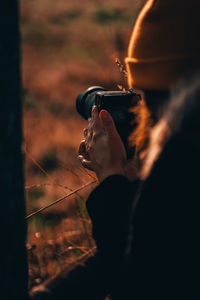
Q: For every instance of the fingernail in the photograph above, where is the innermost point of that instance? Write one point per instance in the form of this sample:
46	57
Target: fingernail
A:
104	115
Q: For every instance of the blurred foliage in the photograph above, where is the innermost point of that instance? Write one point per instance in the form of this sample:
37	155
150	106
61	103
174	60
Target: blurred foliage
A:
105	15
42	35
50	160
29	100
34	194
69	15
41	221
55	108
66	47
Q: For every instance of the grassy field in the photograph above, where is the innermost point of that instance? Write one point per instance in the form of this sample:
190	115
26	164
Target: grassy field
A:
67	46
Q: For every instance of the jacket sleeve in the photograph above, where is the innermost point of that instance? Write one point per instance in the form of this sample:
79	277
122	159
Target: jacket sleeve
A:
109	208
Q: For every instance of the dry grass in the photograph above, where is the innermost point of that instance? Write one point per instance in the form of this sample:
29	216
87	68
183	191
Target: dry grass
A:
66	47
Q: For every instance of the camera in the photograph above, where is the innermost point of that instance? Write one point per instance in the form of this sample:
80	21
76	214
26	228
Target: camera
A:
117	103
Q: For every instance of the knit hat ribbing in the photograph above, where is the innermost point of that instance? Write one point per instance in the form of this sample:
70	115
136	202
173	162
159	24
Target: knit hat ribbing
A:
165	44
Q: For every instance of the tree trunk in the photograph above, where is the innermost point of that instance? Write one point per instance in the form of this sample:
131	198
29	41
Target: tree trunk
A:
13	267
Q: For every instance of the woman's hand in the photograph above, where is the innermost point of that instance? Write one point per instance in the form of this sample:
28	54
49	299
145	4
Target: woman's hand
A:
102	150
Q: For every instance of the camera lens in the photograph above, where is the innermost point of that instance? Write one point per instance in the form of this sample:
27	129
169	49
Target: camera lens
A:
86	100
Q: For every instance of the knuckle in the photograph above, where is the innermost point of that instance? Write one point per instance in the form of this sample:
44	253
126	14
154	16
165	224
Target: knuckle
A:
85	132
96	135
88	137
82	143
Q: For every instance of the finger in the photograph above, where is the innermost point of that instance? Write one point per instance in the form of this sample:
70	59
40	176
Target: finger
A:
96	122
82	151
84	145
108	123
85	132
90	131
82	148
89	124
85	163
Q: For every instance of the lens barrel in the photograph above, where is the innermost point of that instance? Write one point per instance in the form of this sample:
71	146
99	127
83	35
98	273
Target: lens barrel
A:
86	100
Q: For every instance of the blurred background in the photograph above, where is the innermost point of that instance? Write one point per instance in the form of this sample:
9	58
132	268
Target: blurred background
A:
67	46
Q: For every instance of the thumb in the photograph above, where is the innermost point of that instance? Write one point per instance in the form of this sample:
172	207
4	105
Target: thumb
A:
107	122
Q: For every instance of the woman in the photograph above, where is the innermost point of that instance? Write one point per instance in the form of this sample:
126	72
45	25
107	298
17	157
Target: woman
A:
146	220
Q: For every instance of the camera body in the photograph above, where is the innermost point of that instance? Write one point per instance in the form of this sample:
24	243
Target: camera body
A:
117	103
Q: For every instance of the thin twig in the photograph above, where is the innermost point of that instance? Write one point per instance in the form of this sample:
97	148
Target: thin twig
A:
38	165
38	185
122	68
83	249
60	199
87	173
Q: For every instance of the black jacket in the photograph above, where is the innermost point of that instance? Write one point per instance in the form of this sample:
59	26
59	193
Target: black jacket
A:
147	232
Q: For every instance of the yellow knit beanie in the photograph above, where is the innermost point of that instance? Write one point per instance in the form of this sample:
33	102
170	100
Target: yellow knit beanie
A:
165	44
